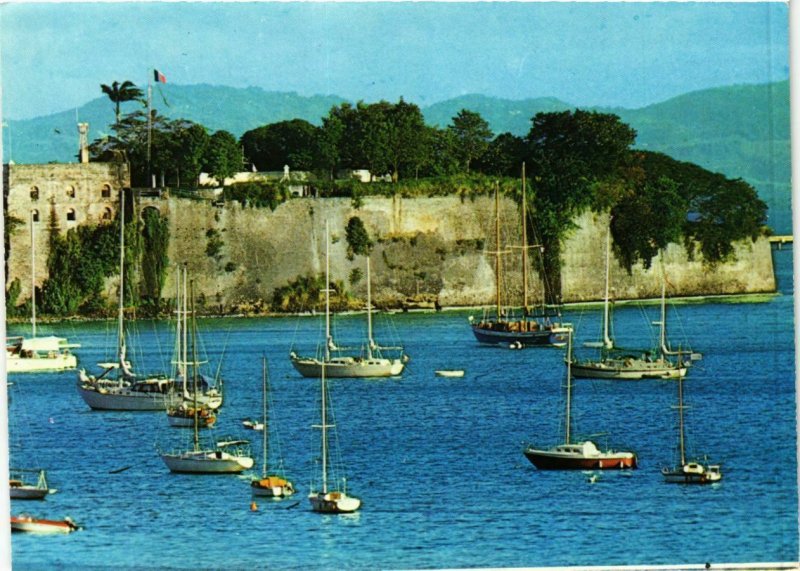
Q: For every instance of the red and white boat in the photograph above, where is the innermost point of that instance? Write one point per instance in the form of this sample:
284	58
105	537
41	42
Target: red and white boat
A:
583	455
32	524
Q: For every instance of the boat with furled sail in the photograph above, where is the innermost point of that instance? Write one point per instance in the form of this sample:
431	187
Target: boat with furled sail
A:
629	364
22	486
223	457
372	361
208	397
577	455
118	387
694	471
38	354
329	495
539	326
272	483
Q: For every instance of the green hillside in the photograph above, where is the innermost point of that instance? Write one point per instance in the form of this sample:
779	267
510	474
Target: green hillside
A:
741	131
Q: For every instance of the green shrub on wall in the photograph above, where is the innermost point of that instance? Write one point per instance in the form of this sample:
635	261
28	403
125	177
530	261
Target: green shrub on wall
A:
155	261
78	263
257	194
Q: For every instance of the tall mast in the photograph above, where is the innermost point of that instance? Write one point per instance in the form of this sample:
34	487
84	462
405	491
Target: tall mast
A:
327	294
680	417
264	414
568	419
149	131
120	316
524	245
497	243
179	329
185	329
33	280
324	433
370	342
194	370
608	343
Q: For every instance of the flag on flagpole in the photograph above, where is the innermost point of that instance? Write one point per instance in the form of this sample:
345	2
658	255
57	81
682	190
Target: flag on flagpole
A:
159	77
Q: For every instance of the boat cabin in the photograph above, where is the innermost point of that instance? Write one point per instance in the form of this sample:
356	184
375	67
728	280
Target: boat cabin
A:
583	448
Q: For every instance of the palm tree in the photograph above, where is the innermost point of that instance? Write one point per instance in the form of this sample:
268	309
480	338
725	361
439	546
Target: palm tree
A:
117	93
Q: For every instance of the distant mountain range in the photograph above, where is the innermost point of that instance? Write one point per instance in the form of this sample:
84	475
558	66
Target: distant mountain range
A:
741	131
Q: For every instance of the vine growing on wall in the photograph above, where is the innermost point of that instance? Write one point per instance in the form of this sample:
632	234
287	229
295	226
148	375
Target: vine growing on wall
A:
77	264
154	263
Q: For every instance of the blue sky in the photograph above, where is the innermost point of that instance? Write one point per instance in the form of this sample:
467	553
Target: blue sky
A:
55	56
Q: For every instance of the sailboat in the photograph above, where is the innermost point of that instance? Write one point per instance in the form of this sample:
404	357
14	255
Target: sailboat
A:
573	455
208	397
624	364
225	457
270	485
21	487
24	483
533	328
38	354
694	472
126	390
329	497
370	363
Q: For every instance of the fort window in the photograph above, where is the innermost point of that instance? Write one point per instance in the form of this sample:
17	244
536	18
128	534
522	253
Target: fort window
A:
35	215
71	215
34	193
70	191
107	214
106	191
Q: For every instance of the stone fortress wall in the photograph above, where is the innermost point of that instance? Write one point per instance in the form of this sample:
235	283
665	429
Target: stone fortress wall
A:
64	195
437	248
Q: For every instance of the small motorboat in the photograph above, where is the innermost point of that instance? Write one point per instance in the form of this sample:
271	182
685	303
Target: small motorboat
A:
32	524
450	373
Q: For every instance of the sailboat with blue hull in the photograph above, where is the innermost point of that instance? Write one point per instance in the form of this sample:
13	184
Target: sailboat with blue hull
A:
535	326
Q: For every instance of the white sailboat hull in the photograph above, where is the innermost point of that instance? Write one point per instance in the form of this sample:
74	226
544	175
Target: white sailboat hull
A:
627	369
109	397
40	363
333	503
349	367
207	462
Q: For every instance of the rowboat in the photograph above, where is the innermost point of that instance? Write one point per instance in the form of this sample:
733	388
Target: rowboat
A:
449	373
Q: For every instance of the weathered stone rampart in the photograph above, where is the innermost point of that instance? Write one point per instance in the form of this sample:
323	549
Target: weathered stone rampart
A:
429	248
62	196
433	248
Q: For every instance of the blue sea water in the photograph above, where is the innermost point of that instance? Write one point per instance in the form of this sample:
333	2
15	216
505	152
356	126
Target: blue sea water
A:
437	461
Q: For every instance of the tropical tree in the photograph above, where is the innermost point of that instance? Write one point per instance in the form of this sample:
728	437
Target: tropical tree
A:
571	154
439	156
118	93
272	146
406	145
223	156
472	134
646	220
503	156
358	240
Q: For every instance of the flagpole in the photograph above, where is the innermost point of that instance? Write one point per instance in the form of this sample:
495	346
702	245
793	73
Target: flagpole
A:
149	128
